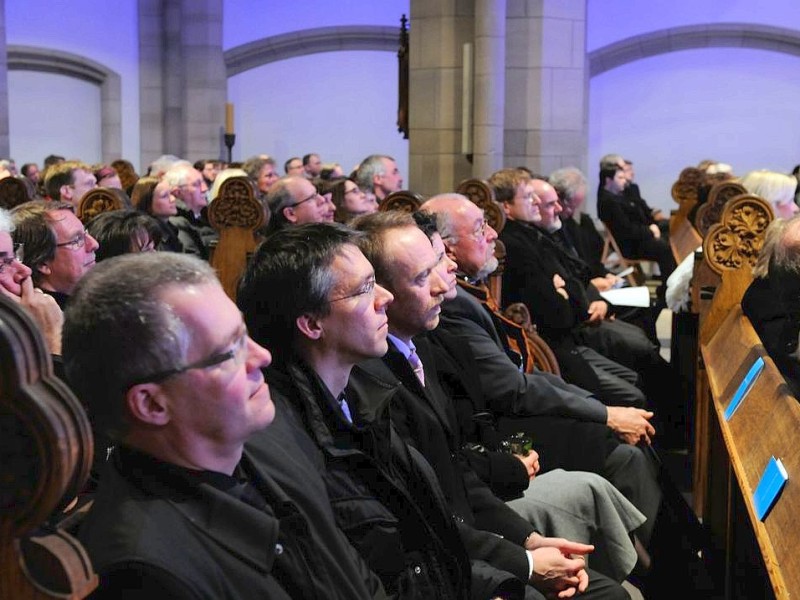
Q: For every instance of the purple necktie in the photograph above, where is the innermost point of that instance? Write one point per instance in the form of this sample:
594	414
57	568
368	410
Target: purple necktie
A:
416	364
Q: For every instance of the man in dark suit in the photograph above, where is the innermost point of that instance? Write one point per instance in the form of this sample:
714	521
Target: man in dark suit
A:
633	225
407	265
182	509
327	315
558	303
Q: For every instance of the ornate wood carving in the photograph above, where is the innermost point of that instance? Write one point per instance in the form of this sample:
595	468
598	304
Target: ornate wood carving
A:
402	200
97	201
45	455
543	356
718	196
737	239
684	191
237	215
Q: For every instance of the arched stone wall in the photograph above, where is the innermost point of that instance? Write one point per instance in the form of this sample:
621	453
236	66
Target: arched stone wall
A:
310	41
714	35
30	58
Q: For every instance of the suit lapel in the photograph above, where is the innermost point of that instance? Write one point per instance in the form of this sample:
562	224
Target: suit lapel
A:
431	392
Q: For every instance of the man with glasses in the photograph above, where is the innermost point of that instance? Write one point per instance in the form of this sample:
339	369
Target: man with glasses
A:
58	250
183	510
294	200
310	291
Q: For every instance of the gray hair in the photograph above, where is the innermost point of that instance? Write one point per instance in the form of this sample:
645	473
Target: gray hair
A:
163	164
772	241
177	173
369	167
567	181
6	222
118	330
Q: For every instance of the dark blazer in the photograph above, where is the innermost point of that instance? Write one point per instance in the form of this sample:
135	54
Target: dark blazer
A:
506	388
425	419
628	220
383	494
155	532
587	241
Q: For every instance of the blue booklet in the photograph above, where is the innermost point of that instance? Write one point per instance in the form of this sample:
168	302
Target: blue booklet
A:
771	484
744	387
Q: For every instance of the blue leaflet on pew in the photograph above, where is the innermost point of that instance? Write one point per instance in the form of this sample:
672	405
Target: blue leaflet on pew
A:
744	387
770	485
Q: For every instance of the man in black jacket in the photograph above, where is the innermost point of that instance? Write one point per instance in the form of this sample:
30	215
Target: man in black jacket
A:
310	291
425	415
182	509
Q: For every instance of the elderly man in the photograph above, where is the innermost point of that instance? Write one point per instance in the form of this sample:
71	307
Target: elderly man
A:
380	174
69	181
327	316
57	248
294	200
183	510
590	509
189	188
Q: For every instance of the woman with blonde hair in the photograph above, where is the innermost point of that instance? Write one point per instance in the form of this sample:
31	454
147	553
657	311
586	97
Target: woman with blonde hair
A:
776	188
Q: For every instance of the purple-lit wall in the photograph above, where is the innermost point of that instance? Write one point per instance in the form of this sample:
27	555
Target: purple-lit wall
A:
666	112
55	114
342	105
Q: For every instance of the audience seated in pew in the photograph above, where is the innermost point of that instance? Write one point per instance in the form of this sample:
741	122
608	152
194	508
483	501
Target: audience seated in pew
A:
589	509
325	330
534	276
183	509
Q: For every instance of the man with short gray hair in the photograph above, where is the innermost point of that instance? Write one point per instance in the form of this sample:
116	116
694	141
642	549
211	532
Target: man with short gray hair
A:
379	173
172	376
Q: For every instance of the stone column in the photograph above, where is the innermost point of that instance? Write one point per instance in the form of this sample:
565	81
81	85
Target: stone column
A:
489	87
437	33
4	132
546	84
183	84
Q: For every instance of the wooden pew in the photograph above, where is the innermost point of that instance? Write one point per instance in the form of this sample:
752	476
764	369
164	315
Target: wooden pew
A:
46	450
730	249
238	216
751	558
683	237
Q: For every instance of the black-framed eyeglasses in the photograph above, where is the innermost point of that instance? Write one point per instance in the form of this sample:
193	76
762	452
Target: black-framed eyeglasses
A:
367	288
314	196
237	353
480	231
76	243
7	261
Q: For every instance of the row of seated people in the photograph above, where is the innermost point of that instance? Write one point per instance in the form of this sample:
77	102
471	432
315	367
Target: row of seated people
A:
311	296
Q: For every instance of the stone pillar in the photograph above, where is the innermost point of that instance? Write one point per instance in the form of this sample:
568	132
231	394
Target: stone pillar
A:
489	87
546	84
4	132
182	82
437	33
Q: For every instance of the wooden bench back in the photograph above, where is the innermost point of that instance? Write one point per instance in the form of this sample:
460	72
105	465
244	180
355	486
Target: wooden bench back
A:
765	424
46	446
237	215
97	201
